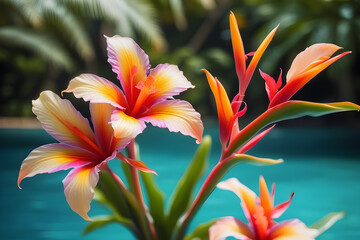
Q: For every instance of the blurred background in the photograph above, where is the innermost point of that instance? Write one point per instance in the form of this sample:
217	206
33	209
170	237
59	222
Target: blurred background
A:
45	43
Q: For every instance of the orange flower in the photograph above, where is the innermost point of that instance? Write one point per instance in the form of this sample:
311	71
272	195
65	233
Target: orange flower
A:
305	67
261	212
148	93
228	112
79	147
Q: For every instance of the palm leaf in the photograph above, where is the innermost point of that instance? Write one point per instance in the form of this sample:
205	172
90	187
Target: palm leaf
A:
128	16
41	44
69	24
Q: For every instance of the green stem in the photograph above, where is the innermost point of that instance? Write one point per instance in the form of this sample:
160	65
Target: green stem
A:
137	188
217	173
127	194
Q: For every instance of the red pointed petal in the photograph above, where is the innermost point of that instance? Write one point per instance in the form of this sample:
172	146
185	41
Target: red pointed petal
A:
281	208
300	80
254	141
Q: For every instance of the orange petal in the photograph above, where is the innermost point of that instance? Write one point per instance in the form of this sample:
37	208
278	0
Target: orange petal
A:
230	227
266	202
52	158
124	54
104	133
177	116
62	121
247	196
310	55
170	81
256	58
79	187
223	106
97	90
238	49
290	230
297	82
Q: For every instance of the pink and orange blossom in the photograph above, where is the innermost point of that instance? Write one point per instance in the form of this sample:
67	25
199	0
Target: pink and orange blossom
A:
305	66
146	95
260	212
79	147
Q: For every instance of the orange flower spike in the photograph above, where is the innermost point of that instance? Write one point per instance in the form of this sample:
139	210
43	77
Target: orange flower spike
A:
266	201
238	49
259	52
305	67
244	74
225	112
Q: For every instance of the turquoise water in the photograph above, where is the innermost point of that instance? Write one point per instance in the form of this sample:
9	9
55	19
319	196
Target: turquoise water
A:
321	166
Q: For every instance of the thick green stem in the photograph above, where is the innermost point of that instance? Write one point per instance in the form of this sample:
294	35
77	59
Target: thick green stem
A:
207	188
137	188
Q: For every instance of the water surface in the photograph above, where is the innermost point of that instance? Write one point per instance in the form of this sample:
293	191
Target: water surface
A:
322	167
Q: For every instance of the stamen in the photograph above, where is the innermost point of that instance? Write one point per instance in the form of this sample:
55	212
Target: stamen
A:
147	88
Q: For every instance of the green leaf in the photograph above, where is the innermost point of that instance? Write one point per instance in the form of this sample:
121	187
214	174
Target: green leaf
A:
123	203
326	222
107	193
285	111
182	195
101	221
126	168
201	232
244	158
156	203
133	16
215	176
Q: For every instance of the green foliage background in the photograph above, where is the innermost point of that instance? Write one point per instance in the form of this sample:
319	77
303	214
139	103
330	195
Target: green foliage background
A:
45	43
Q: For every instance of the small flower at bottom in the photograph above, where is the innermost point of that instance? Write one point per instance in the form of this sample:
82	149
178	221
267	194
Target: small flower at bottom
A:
79	147
260	212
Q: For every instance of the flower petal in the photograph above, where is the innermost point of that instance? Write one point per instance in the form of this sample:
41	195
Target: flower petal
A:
96	90
253	141
52	158
256	58
311	54
125	127
135	163
170	81
177	116
238	49
230	227
281	208
247	196
266	202
290	230
123	55
224	109
79	187
298	81
62	121
100	117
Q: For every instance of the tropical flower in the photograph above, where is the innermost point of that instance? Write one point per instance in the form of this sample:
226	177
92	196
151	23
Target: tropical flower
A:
146	95
261	212
228	112
305	66
79	147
